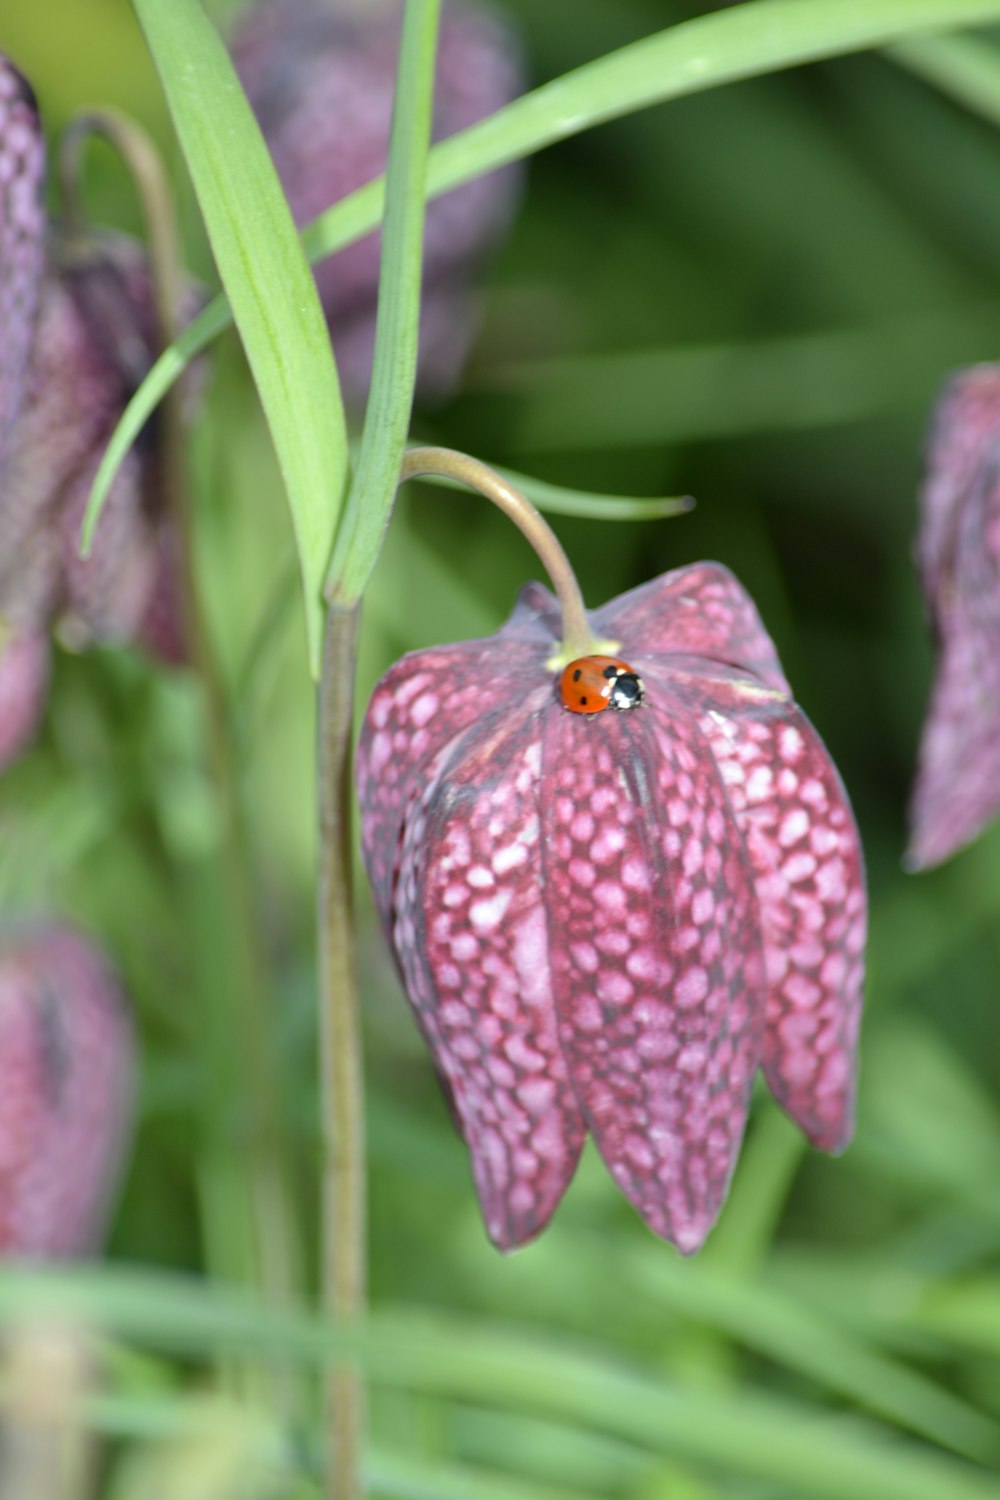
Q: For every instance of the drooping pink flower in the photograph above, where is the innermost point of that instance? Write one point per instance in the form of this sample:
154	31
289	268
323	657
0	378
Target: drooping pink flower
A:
606	923
66	1085
320	75
79	334
957	788
24	681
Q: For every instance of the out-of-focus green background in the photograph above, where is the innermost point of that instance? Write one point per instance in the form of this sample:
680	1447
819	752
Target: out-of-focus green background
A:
750	296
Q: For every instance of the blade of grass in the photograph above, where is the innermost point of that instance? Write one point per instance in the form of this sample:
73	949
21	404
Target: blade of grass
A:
809	380
760	36
268	283
783	1441
965	68
390	400
782	1329
558	500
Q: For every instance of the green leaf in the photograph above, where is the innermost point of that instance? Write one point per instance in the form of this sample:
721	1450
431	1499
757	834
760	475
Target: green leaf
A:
390	399
782	1441
758	37
685	393
268	283
560	501
783	1329
963	67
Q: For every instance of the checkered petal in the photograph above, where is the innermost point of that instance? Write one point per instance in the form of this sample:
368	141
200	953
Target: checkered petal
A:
470	934
22	235
606	921
422	705
702	610
655	952
806	855
957	789
66	1080
964	431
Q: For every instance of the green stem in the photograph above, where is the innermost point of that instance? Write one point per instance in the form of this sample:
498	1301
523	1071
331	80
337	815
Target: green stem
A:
275	1260
343	1252
578	638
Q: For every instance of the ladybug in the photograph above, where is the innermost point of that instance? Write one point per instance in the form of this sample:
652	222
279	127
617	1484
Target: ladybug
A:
591	684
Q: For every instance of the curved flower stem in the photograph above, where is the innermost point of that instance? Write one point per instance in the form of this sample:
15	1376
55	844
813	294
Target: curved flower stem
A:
343	1265
578	638
243	1025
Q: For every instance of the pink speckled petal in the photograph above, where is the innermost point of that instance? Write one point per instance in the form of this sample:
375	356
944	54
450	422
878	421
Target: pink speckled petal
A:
106	595
957	789
702	610
421	705
24	682
964	430
22	234
470	934
806	853
655	953
66	1075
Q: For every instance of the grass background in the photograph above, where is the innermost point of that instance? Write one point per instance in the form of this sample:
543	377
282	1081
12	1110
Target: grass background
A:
750	296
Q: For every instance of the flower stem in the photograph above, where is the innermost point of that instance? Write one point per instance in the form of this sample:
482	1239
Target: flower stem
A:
265	1188
578	638
343	1263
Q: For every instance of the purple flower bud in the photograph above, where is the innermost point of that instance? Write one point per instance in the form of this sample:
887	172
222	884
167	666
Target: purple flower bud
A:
957	788
606	922
24	681
320	75
22	231
66	1084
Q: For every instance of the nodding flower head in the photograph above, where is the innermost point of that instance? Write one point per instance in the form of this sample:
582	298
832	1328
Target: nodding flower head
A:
79	333
66	1083
607	921
957	789
320	75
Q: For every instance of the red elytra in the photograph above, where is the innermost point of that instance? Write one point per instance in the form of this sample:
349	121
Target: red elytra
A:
591	684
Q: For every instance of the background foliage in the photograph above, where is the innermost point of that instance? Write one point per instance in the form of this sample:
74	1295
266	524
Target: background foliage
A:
751	296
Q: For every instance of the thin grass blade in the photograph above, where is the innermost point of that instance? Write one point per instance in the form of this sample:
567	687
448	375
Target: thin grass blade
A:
267	280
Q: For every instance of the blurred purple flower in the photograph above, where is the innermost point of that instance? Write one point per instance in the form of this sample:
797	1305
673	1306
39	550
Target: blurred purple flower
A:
607	923
24	682
66	1085
80	332
320	75
957	789
22	228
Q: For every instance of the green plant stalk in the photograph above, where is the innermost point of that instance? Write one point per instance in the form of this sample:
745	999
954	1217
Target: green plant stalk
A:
357	545
257	1186
343	1253
578	638
341	1071
390	400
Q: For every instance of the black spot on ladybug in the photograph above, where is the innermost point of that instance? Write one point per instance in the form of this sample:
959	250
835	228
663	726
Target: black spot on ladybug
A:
583	700
577	675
